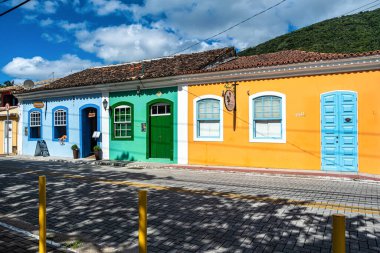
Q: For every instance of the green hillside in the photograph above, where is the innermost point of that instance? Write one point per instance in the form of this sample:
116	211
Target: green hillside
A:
348	34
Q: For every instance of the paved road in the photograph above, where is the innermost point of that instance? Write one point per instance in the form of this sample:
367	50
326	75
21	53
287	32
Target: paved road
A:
11	241
193	211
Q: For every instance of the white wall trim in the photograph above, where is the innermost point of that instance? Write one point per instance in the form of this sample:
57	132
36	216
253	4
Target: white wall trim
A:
283	113
182	125
195	136
105	117
20	129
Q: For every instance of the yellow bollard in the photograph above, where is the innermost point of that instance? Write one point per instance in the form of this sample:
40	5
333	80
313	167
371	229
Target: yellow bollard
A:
339	233
42	213
143	222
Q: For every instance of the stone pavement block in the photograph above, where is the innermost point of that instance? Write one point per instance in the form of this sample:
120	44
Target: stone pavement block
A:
11	241
194	210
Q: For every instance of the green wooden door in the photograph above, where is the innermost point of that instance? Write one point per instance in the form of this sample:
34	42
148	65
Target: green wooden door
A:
161	131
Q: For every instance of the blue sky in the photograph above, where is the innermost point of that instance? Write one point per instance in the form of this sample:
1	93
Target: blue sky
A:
43	39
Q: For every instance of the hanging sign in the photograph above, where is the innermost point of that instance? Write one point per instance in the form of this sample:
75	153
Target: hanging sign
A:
91	114
38	104
229	100
96	135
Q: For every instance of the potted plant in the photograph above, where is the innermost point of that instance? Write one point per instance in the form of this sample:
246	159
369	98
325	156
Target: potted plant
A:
97	152
75	150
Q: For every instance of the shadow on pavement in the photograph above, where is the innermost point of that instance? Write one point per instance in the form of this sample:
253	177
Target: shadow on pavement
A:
177	221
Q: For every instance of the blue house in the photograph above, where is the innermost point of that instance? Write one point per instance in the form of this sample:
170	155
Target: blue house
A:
62	122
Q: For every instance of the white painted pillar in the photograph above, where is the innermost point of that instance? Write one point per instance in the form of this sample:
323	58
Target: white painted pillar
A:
20	129
105	126
182	128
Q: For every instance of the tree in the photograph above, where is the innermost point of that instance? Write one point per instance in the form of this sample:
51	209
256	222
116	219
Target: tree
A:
8	83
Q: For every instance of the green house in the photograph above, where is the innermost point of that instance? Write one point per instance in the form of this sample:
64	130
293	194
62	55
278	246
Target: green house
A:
143	126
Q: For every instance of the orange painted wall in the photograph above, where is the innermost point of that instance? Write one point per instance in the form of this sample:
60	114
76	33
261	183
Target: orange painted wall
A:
302	147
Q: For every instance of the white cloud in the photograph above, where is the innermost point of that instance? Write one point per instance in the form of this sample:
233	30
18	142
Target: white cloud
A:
41	6
72	26
46	22
166	26
127	43
105	7
194	19
53	37
162	27
38	68
50	7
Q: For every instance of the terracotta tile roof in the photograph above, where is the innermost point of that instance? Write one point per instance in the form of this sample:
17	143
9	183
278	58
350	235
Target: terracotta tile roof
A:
282	58
208	61
162	67
10	88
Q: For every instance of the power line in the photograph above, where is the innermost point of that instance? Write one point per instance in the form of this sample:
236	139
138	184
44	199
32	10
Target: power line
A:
14	8
360	7
230	28
371	7
340	16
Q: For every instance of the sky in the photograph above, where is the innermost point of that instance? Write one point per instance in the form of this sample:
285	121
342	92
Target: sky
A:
51	39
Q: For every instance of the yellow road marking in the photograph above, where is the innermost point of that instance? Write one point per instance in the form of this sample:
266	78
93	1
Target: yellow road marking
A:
229	195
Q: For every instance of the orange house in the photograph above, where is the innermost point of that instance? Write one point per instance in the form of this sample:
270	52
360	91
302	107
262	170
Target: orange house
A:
289	110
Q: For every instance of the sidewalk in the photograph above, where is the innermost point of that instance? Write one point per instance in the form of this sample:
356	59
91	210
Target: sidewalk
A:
287	172
268	171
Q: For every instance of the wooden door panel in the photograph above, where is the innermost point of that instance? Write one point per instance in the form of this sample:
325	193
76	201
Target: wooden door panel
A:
161	136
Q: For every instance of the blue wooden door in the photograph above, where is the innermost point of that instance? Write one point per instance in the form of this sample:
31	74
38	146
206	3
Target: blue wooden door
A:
339	131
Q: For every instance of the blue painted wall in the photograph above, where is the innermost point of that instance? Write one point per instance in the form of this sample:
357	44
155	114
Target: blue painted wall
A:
73	105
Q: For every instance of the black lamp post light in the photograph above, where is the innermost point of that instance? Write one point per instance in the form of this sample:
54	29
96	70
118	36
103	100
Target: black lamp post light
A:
105	104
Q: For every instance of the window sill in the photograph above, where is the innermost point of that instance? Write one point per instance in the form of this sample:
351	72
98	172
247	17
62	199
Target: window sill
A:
219	139
56	140
122	139
35	139
268	140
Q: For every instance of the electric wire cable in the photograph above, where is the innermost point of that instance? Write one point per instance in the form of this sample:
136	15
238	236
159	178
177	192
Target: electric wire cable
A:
14	8
371	7
230	28
359	8
339	16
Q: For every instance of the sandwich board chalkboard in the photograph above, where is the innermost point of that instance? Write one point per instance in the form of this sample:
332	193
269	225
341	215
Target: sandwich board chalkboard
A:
41	149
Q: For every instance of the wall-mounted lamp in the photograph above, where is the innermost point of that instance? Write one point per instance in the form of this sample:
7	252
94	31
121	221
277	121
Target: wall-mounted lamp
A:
138	90
105	104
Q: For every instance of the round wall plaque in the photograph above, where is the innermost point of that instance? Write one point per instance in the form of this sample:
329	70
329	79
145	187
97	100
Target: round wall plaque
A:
229	100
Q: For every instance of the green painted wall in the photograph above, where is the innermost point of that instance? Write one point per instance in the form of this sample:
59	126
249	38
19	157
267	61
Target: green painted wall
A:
136	149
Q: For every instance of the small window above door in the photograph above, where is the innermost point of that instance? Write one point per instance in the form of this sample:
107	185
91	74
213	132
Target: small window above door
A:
160	109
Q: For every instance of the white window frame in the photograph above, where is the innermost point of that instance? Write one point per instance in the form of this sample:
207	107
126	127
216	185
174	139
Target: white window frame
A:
122	122
32	121
283	118
195	122
160	114
58	113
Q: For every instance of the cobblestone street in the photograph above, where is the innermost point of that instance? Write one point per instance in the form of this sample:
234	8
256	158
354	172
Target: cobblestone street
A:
189	210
